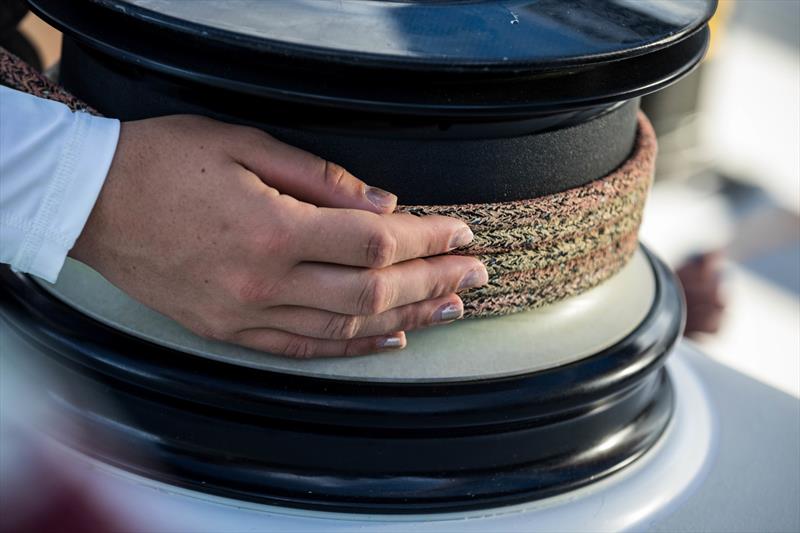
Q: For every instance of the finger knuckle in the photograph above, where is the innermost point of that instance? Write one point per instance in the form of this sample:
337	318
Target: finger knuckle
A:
434	243
381	249
342	327
411	318
252	290
333	175
438	275
375	295
354	348
213	332
254	135
299	348
440	283
272	243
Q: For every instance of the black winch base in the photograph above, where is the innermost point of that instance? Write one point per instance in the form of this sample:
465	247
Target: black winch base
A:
349	446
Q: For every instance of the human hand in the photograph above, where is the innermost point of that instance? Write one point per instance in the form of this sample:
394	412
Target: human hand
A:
244	239
701	281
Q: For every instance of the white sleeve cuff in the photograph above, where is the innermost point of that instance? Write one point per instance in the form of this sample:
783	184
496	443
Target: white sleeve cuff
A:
83	164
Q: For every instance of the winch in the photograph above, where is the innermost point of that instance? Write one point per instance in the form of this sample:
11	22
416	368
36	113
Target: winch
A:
515	421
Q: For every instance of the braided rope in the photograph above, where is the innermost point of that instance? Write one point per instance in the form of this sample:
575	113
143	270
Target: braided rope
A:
537	251
546	249
17	74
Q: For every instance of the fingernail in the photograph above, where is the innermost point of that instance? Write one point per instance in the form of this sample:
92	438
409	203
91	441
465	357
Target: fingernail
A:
448	312
474	278
462	237
393	342
380	198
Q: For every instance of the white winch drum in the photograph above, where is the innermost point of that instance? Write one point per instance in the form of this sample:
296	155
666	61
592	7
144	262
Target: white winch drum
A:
483	348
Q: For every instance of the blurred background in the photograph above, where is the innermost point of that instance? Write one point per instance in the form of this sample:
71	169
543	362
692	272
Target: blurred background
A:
725	211
726	204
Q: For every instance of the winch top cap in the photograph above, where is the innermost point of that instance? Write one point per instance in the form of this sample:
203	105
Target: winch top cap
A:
449	58
508	34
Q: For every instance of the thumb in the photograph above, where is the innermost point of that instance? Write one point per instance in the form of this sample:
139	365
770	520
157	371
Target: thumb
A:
310	178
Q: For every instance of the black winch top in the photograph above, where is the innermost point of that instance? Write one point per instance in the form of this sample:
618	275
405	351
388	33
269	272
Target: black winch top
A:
479	57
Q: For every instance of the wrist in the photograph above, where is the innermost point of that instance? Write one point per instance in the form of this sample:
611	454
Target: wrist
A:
88	247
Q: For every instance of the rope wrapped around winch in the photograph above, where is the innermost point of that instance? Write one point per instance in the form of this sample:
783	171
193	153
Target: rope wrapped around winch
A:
537	251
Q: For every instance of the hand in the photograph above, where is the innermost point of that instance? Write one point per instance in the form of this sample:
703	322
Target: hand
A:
244	239
701	281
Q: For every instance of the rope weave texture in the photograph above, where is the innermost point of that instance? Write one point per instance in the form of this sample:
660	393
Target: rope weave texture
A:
546	249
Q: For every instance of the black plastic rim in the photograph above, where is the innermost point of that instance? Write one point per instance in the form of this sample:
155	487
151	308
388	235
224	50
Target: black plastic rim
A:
431	134
526	57
347	445
421	160
202	55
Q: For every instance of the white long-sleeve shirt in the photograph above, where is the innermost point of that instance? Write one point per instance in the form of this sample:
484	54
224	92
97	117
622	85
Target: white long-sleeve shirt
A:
53	163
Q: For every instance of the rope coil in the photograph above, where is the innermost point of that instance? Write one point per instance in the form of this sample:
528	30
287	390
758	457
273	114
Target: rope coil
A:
545	249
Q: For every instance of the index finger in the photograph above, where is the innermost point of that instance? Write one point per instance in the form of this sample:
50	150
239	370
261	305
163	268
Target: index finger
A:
360	238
